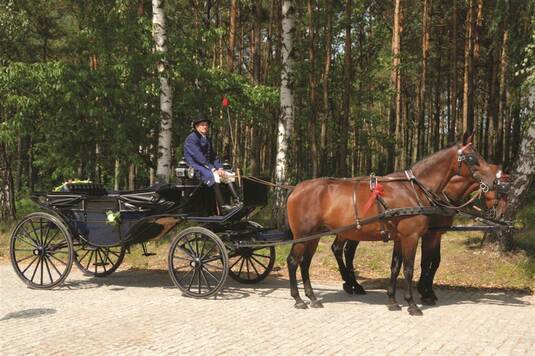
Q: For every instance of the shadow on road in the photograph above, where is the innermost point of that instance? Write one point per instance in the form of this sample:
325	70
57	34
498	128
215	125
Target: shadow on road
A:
376	289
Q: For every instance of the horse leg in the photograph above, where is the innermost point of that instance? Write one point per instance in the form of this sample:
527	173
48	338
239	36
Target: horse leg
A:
293	260
305	266
395	267
337	247
409	245
349	254
429	266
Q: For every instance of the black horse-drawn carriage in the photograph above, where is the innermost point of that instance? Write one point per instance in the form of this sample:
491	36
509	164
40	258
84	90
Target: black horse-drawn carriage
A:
92	228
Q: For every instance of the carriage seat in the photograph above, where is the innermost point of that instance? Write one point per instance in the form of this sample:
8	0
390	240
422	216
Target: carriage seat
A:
158	197
91	189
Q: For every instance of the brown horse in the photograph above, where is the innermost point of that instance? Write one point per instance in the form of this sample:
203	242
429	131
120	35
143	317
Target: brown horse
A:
457	190
495	203
321	204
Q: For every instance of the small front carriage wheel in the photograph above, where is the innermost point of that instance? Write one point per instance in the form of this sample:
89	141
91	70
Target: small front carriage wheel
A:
98	261
41	250
198	262
251	264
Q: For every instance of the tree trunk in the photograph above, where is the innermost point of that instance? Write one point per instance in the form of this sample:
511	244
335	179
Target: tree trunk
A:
422	96
344	127
522	176
7	194
468	83
312	91
286	120
163	169
395	109
116	175
326	77
232	34
453	101
502	102
131	177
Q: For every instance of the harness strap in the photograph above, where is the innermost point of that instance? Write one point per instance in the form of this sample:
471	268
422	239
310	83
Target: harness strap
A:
355	190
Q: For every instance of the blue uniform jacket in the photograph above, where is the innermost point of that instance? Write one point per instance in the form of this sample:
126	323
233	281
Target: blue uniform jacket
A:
199	154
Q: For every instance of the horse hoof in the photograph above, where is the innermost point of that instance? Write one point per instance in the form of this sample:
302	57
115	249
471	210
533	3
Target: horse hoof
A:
428	300
316	304
358	290
415	311
300	305
394	307
347	288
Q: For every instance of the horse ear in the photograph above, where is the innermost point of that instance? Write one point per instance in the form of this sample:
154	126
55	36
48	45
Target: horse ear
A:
468	137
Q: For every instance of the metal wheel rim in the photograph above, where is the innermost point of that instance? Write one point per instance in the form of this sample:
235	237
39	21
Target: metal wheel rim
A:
41	250
198	262
98	261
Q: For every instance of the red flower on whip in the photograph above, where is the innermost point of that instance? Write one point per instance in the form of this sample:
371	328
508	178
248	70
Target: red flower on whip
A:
225	102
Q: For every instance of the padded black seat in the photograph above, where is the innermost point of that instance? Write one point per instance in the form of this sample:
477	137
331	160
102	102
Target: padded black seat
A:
92	189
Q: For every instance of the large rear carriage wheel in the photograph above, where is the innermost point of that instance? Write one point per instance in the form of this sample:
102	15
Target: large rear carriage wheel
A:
41	250
198	262
98	261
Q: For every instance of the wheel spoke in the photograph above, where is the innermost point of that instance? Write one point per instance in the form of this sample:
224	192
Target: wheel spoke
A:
31	263
212	258
260	263
210	274
238	260
25	258
213	266
57	259
35	233
184	277
90	259
185	251
20	238
85	254
36	268
256	271
205	279
104	262
192	279
241	266
182	258
52	238
192	250
48	270
29	235
258	255
53	265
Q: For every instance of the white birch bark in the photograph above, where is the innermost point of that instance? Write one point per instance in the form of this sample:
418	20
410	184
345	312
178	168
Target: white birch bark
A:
286	120
522	174
163	168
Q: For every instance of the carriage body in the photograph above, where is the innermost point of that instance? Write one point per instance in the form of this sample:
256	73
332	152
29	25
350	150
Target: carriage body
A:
87	226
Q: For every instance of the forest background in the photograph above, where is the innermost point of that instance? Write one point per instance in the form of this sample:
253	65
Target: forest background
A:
375	85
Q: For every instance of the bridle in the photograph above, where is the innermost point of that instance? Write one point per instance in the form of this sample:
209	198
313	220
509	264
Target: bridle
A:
501	187
471	160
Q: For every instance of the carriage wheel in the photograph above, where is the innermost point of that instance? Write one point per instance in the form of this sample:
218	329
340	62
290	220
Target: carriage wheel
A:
198	262
251	265
98	261
41	250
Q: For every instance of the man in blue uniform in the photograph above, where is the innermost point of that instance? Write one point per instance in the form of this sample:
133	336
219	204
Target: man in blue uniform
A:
200	155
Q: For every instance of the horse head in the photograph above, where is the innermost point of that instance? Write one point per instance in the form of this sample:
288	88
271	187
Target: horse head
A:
471	164
495	199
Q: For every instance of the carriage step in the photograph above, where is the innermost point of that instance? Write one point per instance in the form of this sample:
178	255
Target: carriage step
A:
145	252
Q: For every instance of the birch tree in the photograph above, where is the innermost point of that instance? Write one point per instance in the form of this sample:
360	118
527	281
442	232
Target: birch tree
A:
163	170
286	119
